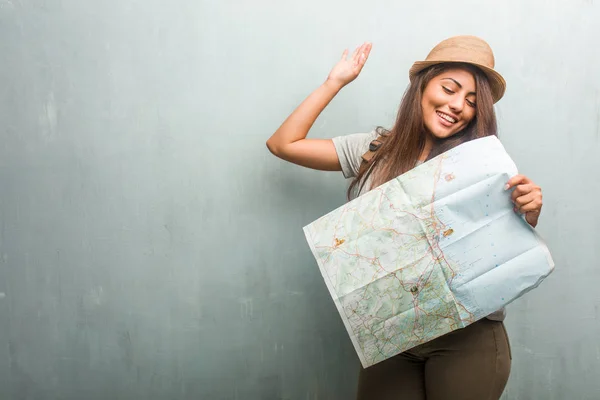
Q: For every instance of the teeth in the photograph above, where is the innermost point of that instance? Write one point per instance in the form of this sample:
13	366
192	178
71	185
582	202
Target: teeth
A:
446	117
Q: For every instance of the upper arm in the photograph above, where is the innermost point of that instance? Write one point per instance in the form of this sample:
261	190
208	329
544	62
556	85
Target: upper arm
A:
342	153
311	153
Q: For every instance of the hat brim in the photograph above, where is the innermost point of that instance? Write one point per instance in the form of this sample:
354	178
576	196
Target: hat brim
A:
497	82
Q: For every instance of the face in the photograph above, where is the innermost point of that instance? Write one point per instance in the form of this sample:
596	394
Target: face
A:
449	102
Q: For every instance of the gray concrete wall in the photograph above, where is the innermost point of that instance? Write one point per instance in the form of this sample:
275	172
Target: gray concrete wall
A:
151	247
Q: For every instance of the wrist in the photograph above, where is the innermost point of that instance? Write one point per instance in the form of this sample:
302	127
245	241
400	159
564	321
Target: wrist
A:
332	84
532	219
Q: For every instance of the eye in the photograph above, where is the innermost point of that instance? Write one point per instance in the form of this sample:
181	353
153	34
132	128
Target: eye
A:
447	90
470	103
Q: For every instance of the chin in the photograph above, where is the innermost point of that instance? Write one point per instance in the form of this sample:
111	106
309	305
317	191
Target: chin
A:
442	135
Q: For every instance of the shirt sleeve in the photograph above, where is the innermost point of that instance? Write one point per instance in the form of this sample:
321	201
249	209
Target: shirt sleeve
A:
350	149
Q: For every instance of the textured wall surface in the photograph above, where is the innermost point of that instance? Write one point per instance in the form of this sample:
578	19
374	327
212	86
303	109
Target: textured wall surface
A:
152	248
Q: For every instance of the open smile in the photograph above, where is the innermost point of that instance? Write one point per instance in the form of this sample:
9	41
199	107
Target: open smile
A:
445	119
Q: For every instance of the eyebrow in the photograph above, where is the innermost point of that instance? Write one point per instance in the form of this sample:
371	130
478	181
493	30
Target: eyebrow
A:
457	84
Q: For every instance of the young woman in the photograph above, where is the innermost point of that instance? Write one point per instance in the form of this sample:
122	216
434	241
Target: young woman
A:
449	101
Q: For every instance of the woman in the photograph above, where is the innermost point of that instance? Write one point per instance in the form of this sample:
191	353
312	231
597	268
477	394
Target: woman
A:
449	101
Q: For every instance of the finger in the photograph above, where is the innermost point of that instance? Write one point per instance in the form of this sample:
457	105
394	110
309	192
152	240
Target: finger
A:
364	54
358	54
516	180
521	190
533	207
521	201
345	54
526	193
529	205
355	54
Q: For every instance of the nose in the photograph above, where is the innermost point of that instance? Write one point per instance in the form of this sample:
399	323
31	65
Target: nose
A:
456	104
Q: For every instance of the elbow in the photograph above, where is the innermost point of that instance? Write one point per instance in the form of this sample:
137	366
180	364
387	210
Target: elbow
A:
272	147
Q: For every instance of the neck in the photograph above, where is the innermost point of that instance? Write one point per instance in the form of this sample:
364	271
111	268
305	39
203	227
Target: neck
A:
427	148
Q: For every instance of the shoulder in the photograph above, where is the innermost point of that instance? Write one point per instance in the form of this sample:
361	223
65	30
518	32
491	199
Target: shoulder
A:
356	140
350	149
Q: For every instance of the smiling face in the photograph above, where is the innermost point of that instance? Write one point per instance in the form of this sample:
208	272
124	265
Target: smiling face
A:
449	102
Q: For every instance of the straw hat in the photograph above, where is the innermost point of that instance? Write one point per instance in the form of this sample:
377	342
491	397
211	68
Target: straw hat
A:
465	49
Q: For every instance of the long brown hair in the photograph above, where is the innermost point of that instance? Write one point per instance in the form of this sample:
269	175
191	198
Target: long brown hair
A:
406	140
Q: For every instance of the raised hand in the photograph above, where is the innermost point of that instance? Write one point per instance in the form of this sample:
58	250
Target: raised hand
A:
347	69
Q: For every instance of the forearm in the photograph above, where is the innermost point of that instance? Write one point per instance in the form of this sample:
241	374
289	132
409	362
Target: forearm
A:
298	124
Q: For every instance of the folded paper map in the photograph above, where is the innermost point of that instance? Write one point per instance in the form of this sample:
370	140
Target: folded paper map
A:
429	252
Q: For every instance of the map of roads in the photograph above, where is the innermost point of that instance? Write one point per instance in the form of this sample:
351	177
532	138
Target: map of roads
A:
429	252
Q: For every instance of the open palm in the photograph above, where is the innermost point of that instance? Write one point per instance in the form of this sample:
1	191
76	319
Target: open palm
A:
347	69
